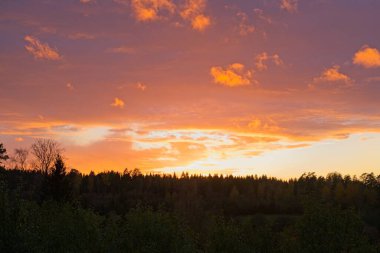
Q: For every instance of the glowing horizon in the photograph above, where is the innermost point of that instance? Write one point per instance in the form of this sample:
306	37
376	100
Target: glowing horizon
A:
276	87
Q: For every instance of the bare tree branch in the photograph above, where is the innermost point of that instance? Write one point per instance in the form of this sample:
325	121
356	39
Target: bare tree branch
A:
44	152
20	157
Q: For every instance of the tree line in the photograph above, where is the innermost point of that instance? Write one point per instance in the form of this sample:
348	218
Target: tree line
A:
49	209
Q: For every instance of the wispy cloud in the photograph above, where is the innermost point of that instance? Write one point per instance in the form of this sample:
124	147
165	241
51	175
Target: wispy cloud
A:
19	139
262	60
289	5
232	76
41	50
81	36
122	50
149	10
86	1
262	16
193	11
332	76
367	57
141	86
245	27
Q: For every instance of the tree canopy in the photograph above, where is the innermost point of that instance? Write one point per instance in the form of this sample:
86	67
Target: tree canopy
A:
67	211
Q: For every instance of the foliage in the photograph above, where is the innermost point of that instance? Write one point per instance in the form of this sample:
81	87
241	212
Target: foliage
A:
3	154
56	211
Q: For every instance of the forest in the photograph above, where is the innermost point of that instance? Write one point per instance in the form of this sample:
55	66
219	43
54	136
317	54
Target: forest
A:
45	207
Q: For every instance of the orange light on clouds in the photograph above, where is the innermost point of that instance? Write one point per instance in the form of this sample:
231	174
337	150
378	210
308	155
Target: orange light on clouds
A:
40	50
204	86
232	76
117	102
367	57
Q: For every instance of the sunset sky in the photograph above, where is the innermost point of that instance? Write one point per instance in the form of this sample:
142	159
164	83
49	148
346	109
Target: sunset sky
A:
276	87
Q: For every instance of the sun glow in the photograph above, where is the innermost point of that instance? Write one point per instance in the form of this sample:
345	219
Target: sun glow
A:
194	85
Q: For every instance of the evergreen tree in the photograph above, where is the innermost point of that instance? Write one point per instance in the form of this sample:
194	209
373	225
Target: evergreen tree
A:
58	185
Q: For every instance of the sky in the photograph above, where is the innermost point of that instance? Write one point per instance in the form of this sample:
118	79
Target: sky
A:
276	87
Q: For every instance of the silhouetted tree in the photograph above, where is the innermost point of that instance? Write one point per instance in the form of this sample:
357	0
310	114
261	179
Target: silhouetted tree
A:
330	229
3	154
135	212
44	152
20	158
58	185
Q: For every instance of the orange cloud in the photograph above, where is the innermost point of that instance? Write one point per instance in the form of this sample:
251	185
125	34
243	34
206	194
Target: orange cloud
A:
263	58
193	12
332	75
244	27
117	102
151	146
192	8
40	50
200	22
148	10
367	57
232	76
289	5
265	125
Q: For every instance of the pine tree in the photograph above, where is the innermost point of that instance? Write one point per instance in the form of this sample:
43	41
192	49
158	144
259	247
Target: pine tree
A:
58	184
